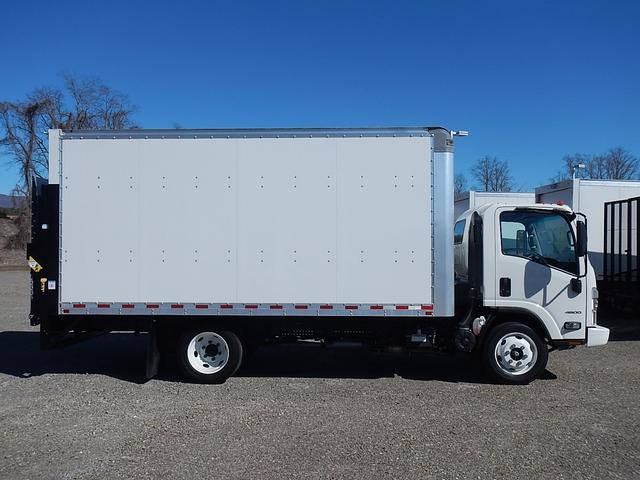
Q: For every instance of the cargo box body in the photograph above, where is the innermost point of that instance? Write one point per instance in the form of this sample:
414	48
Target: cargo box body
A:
253	221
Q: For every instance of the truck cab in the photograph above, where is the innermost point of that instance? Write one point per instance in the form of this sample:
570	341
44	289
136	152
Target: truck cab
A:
525	273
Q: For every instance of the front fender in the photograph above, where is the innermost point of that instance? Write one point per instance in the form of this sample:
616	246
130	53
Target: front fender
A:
535	311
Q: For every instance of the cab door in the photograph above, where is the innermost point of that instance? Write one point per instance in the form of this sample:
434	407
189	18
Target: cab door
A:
535	264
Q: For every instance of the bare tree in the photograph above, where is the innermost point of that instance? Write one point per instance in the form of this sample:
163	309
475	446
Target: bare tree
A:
459	184
492	174
616	164
86	103
83	103
21	126
569	164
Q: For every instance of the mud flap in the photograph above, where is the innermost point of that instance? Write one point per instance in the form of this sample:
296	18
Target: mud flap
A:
153	352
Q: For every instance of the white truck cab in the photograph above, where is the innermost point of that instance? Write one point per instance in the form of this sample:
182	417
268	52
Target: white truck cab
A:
527	265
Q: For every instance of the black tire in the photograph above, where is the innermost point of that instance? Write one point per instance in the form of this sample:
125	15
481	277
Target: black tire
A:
185	350
525	338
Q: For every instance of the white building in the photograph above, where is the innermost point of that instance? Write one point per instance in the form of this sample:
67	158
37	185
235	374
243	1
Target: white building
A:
588	197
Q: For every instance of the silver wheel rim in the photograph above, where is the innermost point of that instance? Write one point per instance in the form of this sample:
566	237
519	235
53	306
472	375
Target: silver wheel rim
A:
208	353
516	353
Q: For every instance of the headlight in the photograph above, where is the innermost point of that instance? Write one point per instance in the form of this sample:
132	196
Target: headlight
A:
594	293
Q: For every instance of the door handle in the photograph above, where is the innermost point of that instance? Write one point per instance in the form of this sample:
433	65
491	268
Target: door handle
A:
505	287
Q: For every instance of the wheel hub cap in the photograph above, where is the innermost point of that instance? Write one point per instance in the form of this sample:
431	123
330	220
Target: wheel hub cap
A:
516	353
208	353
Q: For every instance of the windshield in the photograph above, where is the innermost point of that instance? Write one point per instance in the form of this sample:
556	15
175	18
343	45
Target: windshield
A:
542	237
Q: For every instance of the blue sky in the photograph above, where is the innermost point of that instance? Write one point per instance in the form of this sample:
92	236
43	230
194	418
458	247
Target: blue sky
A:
531	81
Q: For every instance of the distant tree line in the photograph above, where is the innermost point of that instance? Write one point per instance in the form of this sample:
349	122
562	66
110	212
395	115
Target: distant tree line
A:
616	164
493	175
82	103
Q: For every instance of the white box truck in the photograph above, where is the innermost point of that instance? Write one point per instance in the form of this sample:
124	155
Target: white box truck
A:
589	197
473	199
218	241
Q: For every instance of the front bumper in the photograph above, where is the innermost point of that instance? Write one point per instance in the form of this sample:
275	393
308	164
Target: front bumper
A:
597	336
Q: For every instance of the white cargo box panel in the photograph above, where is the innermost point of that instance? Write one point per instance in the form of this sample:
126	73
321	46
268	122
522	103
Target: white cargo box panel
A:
328	219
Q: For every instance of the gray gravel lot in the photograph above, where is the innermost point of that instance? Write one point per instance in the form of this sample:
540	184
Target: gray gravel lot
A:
302	411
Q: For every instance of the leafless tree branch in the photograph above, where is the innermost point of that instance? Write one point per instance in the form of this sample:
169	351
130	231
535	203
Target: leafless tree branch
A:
83	103
492	174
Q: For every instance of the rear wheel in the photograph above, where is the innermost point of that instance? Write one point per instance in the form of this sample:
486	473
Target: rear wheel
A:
208	355
514	353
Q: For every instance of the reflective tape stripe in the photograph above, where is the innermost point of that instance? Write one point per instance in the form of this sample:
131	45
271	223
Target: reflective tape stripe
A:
254	309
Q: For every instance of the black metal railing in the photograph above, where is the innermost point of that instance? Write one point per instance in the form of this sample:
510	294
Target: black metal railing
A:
621	261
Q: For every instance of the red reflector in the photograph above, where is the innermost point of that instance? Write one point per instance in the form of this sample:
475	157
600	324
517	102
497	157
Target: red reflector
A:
128	305
226	305
275	307
177	305
104	305
402	307
153	305
426	307
301	307
79	305
66	310
251	306
376	307
351	307
202	305
326	307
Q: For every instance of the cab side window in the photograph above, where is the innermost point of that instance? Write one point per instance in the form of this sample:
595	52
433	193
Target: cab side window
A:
458	232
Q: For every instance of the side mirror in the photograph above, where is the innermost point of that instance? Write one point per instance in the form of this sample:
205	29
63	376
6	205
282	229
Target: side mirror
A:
581	240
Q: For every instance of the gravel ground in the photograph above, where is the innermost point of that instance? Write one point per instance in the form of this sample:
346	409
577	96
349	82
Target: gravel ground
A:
301	411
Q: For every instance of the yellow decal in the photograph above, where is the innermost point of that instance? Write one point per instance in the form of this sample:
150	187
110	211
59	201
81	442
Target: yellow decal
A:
43	282
35	266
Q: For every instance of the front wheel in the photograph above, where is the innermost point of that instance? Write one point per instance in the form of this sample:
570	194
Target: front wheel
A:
514	353
208	355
